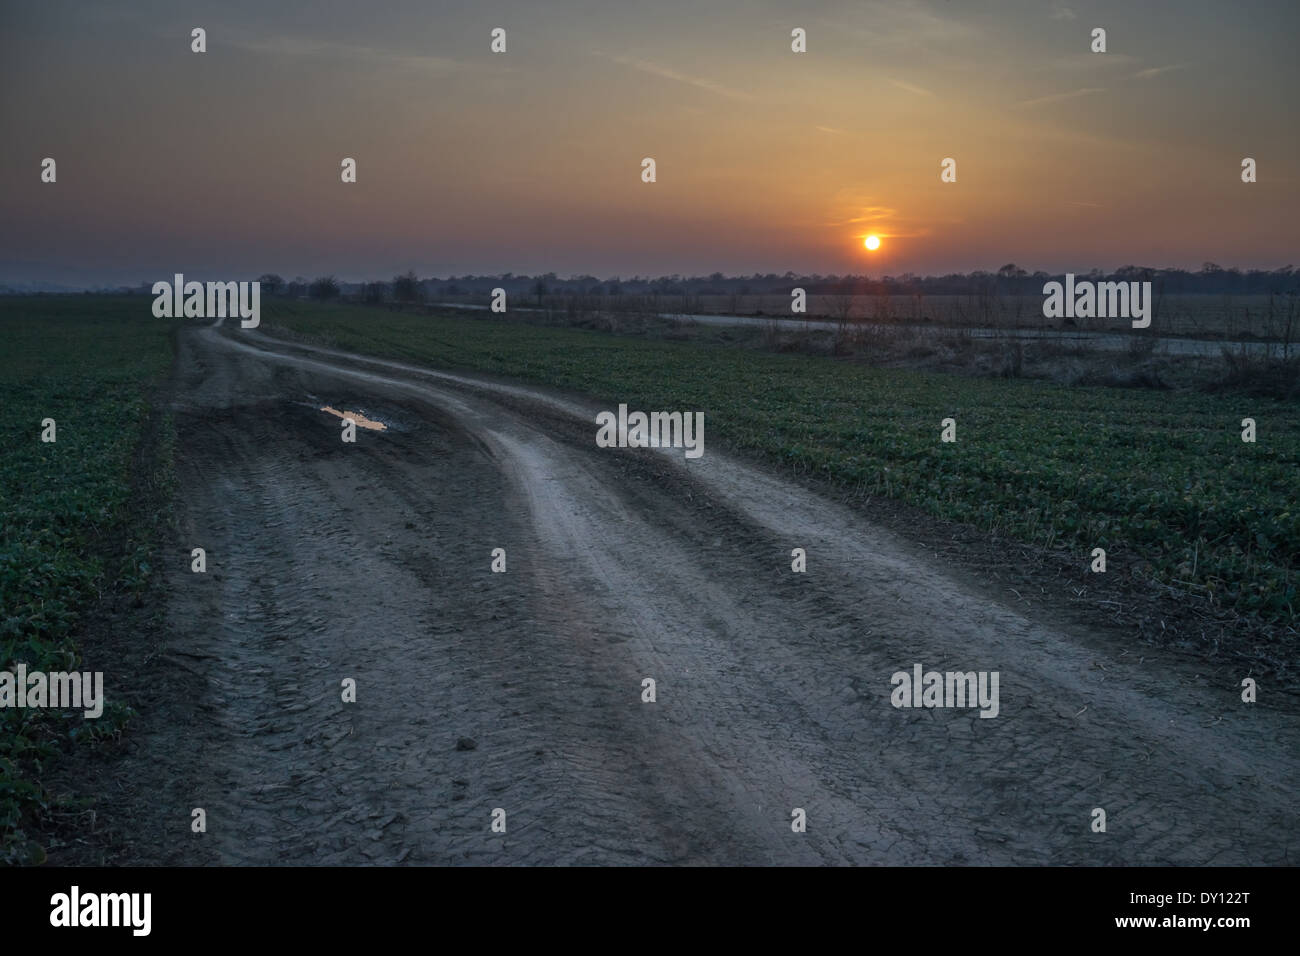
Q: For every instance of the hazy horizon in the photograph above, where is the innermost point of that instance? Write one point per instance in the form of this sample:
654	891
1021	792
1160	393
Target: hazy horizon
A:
227	163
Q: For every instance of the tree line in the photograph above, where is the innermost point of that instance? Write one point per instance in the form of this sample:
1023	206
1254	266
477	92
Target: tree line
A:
1010	279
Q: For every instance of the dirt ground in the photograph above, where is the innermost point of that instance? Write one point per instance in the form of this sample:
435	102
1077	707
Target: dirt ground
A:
523	690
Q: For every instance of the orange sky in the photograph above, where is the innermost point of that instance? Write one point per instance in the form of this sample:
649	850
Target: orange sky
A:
227	162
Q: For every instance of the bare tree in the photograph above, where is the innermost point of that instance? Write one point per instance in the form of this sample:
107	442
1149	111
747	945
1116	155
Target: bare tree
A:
406	288
842	307
271	283
324	288
1289	325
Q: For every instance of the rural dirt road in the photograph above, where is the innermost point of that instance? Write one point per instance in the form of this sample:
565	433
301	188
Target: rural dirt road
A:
522	690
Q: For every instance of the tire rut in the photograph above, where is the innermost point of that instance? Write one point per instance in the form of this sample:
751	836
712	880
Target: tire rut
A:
371	561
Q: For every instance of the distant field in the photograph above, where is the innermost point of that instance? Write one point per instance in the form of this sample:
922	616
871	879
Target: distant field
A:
1206	316
1158	479
86	362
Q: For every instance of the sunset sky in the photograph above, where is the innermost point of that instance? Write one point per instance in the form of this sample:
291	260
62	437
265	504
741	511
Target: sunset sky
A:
226	164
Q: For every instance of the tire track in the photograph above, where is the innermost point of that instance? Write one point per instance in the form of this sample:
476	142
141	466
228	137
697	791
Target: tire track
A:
371	561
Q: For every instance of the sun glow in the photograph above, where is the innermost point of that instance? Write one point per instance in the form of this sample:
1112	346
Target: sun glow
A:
872	242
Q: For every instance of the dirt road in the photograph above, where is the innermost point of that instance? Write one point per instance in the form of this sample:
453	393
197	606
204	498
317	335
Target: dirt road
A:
523	690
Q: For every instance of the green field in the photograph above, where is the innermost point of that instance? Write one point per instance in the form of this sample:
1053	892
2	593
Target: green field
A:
1161	480
87	363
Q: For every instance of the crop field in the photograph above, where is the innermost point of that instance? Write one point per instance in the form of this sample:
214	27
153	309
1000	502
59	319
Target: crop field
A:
1161	480
88	364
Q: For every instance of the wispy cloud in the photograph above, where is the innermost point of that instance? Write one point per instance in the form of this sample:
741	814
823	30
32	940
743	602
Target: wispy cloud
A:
884	221
870	214
1058	97
828	129
283	45
911	88
1061	12
901	25
1082	62
306	47
667	73
1156	71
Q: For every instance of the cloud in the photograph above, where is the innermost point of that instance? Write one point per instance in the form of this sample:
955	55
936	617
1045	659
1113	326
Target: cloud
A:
901	25
306	47
1082	62
828	129
1057	97
919	90
882	220
1156	71
871	214
655	69
283	45
1061	12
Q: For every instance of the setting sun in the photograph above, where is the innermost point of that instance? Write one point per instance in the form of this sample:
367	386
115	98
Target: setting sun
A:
872	242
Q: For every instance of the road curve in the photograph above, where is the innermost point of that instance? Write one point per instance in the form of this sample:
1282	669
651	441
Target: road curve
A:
522	691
